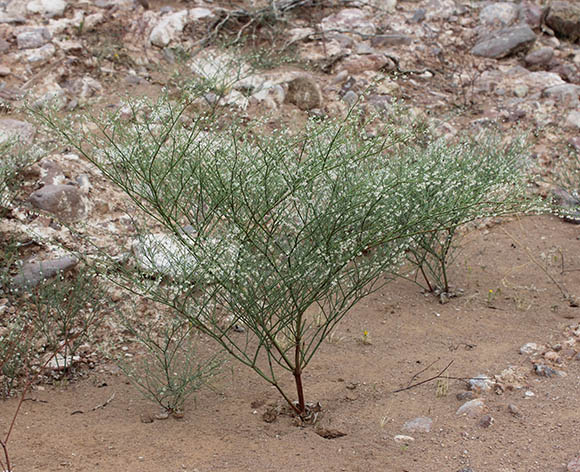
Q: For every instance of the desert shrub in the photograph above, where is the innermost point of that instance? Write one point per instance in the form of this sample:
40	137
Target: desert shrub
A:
472	179
566	180
65	313
285	232
171	370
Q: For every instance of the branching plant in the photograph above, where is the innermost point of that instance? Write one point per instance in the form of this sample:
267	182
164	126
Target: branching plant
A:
65	313
278	234
171	370
478	178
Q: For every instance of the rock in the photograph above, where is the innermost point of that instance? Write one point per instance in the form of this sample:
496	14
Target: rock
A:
521	90
539	57
569	205
391	39
486	421
472	408
64	201
199	13
531	13
566	94
418	15
32	39
304	92
4	71
505	42
47	8
551	356
33	273
574	465
514	410
462	396
352	19
41	54
401	438
51	173
357	64
529	394
499	13
440	9
544	370
480	383
163	254
168	28
350	97
573	120
529	348
564	19
16	130
421	424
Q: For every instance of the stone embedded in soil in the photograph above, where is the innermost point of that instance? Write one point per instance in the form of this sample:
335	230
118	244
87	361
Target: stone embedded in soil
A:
499	13
539	57
353	19
47	8
462	396
529	348
486	421
41	54
514	410
567	94
304	92
64	201
480	383
564	19
569	203
33	39
357	64
573	120
505	42
472	408
390	39
33	273
544	370
168	28
574	465
421	424
401	438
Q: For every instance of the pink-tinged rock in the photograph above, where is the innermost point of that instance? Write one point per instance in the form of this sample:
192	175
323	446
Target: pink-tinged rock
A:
64	201
574	465
33	273
472	408
358	64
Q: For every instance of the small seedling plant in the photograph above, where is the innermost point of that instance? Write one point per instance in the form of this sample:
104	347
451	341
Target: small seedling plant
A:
271	238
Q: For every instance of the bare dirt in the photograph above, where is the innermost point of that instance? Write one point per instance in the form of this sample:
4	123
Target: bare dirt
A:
409	332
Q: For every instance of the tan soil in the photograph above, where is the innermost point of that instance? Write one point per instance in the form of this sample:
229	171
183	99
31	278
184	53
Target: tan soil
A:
223	430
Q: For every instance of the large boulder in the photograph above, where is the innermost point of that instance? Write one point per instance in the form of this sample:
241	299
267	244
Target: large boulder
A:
505	42
564	19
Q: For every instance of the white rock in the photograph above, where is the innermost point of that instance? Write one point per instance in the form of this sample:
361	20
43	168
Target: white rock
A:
47	8
401	438
573	120
502	12
480	383
168	28
529	348
472	408
164	254
42	54
199	13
